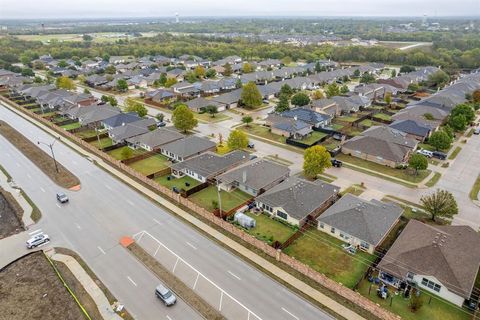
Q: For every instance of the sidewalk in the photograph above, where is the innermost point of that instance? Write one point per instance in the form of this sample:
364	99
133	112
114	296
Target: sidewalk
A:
15	192
90	286
256	259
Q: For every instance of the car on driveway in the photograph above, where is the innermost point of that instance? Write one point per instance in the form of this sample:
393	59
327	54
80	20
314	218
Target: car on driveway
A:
166	295
336	163
439	155
62	197
37	240
477	131
426	153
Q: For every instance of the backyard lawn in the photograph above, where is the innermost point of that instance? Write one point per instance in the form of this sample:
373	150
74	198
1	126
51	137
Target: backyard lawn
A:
121	154
383	116
71	126
325	254
230	200
206	117
270	230
346	119
262	131
403	174
312	138
179	183
104	142
151	164
336	126
88	133
436	309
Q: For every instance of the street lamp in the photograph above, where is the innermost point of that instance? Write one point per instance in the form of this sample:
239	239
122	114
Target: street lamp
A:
51	150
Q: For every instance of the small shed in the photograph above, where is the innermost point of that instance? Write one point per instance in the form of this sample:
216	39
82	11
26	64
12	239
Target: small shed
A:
244	220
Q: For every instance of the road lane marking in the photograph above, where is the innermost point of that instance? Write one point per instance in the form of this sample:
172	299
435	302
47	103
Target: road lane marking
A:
169	318
221	300
78	226
36	231
29	176
58	205
196	280
101	250
130	279
175	266
131	203
191	245
157	222
234	275
294	316
108	187
43	190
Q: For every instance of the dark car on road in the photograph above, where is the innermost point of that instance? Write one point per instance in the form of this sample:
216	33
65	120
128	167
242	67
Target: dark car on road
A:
336	163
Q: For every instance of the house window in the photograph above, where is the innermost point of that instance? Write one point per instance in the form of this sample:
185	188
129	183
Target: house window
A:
322	225
282	215
431	285
364	245
332	230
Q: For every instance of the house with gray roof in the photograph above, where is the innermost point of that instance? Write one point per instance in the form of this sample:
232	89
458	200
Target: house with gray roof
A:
352	103
254	177
208	165
413	129
360	223
185	148
159	95
93	115
443	260
427	116
327	106
229	99
288	127
120	119
121	133
199	104
154	139
382	145
295	200
313	118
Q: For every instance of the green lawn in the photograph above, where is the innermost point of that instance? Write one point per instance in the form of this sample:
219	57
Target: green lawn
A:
325	254
383	116
336	126
454	153
121	154
397	173
436	309
86	133
475	189
48	114
270	230
104	142
312	138
433	181
262	131
71	126
151	165
230	200
206	117
347	119
178	183
330	143
58	119
369	123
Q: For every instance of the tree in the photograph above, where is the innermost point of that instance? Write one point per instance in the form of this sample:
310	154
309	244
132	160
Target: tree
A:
441	203
300	99
183	119
237	140
449	131
388	98
212	110
367	78
458	122
476	96
247	120
317	94
332	90
62	64
416	302
393	74
162	80
464	109
286	90
87	37
251	96
438	79
126	153
356	73
413	87
211	73
406	69
418	162
122	85
134	106
191	77
27	72
110	70
283	104
315	160
170	82
318	67
65	83
227	70
286	60
86	91
160	117
344	89
199	72
247	68
440	140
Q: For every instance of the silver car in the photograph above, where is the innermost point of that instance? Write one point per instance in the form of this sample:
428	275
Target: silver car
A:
165	295
37	240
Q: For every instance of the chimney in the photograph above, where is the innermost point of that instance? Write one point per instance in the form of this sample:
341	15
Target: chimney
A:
244	176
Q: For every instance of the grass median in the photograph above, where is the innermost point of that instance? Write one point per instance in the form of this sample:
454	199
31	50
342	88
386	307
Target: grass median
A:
44	162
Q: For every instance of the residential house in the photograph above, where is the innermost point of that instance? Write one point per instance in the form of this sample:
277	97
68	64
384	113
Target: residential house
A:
297	200
442	260
382	145
190	146
313	118
288	127
351	104
159	95
229	99
327	106
206	166
94	115
121	133
413	129
425	115
362	224
199	104
119	120
154	139
254	177
96	80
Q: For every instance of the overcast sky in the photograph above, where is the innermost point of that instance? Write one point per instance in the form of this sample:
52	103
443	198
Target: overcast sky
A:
13	9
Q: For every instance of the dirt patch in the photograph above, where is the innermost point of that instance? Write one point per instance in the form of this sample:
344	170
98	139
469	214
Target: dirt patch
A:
10	215
44	162
30	289
110	297
177	286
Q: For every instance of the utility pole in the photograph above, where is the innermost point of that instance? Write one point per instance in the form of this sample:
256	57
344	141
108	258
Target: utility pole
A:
219	200
51	150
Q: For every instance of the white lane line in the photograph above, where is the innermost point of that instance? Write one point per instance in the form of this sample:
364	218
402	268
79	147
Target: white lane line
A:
131	203
108	187
18	165
58	205
36	231
101	250
234	275
130	279
191	245
157	222
78	226
290	313
29	176
43	190
169	318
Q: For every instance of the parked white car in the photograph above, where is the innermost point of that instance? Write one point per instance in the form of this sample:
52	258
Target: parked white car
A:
37	240
426	153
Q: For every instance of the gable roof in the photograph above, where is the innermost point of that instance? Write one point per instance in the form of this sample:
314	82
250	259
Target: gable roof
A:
411	127
131	129
366	220
201	102
306	115
121	119
451	254
391	135
299	197
189	146
256	174
157	137
229	97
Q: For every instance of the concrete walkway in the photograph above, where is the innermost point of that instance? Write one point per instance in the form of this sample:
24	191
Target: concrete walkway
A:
288	278
90	286
15	192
